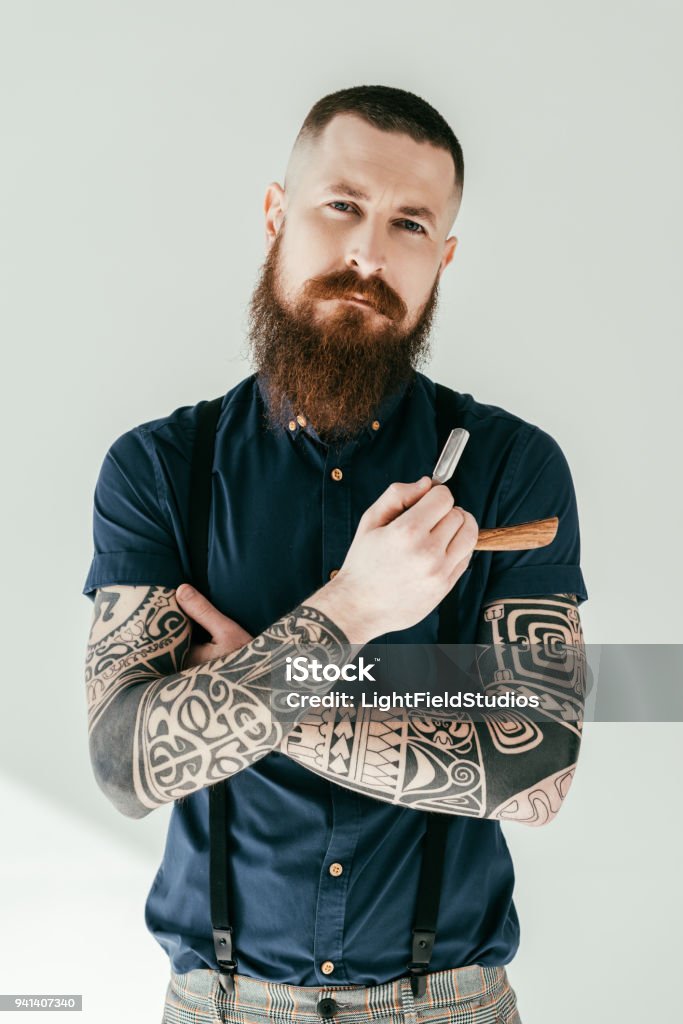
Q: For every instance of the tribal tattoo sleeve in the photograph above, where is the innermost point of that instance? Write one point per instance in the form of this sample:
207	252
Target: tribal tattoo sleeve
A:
158	733
505	765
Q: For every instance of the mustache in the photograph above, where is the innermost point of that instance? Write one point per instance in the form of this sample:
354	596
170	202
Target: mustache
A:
346	284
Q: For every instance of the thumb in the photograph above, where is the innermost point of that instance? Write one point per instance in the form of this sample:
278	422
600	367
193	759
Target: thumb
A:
199	608
395	500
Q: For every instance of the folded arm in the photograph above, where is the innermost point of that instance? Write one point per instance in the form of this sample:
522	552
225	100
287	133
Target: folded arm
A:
158	732
507	767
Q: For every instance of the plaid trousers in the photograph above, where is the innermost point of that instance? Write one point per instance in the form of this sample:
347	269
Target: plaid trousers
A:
465	995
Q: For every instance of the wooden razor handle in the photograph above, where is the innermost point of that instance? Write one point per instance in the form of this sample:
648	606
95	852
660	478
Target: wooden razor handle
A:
535	534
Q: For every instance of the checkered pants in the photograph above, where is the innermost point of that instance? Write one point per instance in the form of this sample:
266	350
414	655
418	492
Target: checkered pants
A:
466	995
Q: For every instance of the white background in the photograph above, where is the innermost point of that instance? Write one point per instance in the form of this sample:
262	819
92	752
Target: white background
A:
137	142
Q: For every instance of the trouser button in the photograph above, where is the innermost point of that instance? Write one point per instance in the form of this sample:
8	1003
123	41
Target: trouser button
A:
327	1008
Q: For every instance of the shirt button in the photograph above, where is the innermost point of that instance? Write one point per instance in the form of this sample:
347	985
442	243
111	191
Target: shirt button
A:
336	474
375	424
327	967
336	869
301	420
333	573
292	424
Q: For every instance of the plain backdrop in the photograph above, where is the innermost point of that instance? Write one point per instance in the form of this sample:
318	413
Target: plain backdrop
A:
137	141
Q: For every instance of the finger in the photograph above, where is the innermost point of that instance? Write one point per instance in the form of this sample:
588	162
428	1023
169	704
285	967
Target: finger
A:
445	530
198	654
458	569
232	635
200	609
462	544
392	502
430	509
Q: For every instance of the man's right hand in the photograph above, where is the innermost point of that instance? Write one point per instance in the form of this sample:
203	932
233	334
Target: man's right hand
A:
411	547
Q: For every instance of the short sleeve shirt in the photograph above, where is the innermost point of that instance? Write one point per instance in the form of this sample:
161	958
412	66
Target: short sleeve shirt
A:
285	507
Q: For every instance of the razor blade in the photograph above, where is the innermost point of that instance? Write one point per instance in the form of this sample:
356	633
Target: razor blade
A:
450	456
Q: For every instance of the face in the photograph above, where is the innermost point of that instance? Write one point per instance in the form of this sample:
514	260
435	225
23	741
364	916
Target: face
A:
374	203
355	248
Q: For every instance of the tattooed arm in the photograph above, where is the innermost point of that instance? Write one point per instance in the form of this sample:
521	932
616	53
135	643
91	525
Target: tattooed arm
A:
537	643
505	767
158	733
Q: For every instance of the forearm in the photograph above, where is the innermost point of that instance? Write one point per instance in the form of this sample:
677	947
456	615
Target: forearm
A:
504	764
452	766
158	735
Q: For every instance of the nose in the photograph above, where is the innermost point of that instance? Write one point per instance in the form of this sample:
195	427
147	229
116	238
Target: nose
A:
365	253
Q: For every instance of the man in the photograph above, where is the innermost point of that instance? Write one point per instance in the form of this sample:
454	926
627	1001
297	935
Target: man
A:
317	543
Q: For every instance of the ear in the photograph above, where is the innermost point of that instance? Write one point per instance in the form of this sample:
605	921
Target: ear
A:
274	206
448	253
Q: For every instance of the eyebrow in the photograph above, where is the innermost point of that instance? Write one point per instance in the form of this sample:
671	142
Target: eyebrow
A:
344	189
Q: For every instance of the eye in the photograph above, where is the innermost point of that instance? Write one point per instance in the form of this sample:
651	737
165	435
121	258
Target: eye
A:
338	202
413	225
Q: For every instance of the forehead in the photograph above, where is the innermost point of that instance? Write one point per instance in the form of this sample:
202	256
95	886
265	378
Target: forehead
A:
378	162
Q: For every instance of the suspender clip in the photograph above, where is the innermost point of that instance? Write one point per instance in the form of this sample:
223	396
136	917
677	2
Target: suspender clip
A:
423	944
222	941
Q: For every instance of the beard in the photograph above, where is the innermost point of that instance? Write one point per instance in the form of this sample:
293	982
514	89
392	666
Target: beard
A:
335	370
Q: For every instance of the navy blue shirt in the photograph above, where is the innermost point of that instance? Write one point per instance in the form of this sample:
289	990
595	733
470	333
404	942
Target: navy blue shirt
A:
280	524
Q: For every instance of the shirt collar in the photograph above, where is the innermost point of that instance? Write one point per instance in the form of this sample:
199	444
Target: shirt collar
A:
297	422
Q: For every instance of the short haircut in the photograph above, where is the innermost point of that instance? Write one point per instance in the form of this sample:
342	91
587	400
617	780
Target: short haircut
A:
390	110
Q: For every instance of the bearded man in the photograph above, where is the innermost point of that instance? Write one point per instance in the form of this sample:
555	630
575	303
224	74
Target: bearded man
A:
326	533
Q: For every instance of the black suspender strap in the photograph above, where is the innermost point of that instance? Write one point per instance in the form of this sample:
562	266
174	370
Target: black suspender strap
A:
200	505
218	881
200	501
434	842
428	896
447	419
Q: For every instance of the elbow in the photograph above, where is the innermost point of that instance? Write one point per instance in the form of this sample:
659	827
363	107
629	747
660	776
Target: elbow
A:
547	798
540	803
115	780
133	810
121	796
126	802
542	815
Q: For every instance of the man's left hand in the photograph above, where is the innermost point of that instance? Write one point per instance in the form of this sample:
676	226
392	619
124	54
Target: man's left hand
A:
226	635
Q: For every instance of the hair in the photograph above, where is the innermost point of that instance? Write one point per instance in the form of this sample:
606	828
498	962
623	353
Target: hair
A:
390	110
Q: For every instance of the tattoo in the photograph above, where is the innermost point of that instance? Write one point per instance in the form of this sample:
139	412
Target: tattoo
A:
158	733
538	643
420	762
538	804
107	600
506	767
147	638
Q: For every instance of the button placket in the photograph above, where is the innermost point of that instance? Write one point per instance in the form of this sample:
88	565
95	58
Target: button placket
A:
333	886
336	512
332	889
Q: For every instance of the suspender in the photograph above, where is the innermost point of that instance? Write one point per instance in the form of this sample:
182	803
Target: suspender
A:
434	843
200	501
200	504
